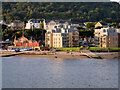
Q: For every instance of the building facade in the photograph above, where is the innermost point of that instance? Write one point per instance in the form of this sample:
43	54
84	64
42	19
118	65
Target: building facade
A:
118	31
106	37
61	34
33	23
56	40
17	24
23	41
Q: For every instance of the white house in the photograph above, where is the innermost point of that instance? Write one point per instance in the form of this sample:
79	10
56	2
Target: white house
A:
33	23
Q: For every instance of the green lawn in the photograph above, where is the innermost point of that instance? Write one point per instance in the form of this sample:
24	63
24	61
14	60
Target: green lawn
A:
69	48
115	48
99	48
96	48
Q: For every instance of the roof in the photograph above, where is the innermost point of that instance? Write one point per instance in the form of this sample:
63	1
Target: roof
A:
58	21
103	23
17	21
35	20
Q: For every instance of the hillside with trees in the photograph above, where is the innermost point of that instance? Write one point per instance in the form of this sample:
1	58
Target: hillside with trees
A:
74	11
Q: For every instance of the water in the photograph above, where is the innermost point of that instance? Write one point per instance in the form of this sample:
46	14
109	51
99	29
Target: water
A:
28	72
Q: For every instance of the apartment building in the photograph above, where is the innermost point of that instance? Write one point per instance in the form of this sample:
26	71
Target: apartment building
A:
118	31
17	24
74	39
106	37
33	23
56	40
61	34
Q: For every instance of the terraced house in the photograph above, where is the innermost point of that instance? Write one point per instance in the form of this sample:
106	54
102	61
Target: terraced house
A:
61	34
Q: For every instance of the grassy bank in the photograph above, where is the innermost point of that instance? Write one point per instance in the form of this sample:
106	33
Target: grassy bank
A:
103	48
68	49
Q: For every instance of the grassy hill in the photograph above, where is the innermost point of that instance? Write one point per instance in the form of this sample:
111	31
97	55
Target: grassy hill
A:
75	11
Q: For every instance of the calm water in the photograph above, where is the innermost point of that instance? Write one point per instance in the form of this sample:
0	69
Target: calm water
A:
28	72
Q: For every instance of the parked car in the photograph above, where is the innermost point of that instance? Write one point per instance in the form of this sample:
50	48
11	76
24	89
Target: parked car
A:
17	50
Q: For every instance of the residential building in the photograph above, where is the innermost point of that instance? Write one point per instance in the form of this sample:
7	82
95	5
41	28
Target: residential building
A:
50	25
23	41
17	24
106	37
56	40
74	39
118	31
61	34
33	23
101	24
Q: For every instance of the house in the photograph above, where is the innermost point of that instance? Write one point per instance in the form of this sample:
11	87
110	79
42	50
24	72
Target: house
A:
101	24
50	25
17	24
33	23
106	37
23	41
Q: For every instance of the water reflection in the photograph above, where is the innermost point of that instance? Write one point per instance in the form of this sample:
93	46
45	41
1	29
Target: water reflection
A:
23	72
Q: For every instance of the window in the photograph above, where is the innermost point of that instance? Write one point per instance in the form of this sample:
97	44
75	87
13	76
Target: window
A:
113	39
55	26
52	23
113	42
104	30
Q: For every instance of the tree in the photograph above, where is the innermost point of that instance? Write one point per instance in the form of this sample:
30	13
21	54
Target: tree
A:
90	25
41	25
4	27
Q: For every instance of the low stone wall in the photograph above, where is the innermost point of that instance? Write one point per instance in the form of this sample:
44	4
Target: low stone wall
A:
38	53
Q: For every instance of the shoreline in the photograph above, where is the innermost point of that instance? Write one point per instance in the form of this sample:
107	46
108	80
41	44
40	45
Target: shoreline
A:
55	56
75	55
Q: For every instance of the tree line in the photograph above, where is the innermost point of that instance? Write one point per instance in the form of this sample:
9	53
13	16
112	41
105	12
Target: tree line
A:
74	11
